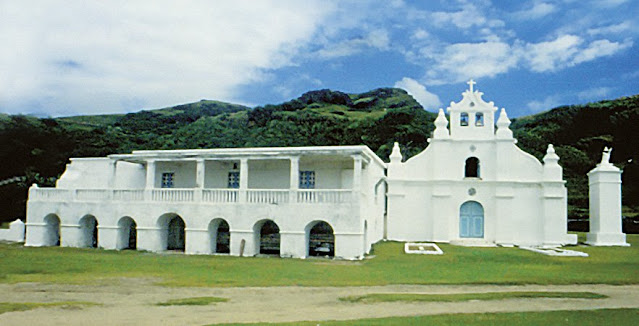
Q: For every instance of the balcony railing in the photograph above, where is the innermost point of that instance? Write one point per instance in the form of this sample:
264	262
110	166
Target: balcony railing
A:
267	196
220	195
320	196
249	196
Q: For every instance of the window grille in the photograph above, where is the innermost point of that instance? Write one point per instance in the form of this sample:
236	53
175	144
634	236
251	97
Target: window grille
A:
167	179
307	179
234	180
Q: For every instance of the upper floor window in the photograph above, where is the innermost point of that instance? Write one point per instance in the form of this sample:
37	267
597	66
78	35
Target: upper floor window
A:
463	119
472	168
167	179
234	180
307	179
479	119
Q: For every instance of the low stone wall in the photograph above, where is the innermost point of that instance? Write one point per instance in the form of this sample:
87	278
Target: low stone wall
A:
14	233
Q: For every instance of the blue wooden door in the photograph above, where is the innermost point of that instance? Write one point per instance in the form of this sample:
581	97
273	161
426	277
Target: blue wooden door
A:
471	220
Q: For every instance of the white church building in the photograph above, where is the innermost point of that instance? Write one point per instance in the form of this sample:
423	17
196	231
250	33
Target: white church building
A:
472	185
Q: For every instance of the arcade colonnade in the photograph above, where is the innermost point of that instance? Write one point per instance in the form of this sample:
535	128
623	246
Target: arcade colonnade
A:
172	232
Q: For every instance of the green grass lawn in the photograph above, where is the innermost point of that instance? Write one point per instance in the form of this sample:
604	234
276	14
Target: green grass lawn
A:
578	317
457	297
459	265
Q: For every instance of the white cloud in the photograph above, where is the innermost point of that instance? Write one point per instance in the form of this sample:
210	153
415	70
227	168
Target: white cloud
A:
600	48
552	55
459	62
468	17
567	51
609	3
116	56
545	104
594	93
427	99
538	10
611	29
420	34
377	39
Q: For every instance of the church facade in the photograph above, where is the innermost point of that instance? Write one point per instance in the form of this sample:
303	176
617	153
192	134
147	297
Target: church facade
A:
472	186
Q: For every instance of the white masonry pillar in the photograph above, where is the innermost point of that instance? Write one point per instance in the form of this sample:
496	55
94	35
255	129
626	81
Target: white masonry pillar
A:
150	174
112	169
295	178
199	179
244	171
199	174
605	204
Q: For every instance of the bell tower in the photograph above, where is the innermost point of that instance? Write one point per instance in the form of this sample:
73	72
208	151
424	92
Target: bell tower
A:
472	118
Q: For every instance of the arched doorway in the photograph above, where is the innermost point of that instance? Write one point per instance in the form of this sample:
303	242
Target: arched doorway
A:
268	238
88	232
127	234
175	234
471	170
321	239
471	220
220	237
52	230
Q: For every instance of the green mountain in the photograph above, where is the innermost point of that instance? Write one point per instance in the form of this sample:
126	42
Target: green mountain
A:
40	148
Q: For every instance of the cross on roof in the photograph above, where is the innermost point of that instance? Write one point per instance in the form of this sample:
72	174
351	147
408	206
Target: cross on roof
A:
471	82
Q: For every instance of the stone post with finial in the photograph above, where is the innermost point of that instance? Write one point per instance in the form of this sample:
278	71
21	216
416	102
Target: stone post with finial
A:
605	204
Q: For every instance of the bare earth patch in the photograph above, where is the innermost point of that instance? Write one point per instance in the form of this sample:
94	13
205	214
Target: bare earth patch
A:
133	302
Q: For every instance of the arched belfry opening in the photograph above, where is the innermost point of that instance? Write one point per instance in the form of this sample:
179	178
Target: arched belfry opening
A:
321	239
472	168
268	238
88	231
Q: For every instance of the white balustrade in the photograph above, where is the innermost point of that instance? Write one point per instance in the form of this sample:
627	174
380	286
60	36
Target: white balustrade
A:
92	194
320	196
220	195
52	194
128	195
172	195
256	196
270	196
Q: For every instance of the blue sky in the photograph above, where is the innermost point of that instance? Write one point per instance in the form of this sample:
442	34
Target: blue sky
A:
94	57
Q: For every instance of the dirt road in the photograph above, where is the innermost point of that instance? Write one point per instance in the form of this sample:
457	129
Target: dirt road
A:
131	302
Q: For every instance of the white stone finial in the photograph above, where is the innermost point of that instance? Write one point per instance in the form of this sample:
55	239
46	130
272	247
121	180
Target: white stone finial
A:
396	154
503	124
551	156
471	83
441	123
605	156
503	120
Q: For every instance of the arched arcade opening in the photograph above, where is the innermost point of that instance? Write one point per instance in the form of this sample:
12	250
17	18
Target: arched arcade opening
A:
220	237
267	238
127	234
320	239
52	230
88	232
173	235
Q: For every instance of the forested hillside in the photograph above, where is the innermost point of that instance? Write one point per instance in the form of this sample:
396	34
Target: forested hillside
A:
38	149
